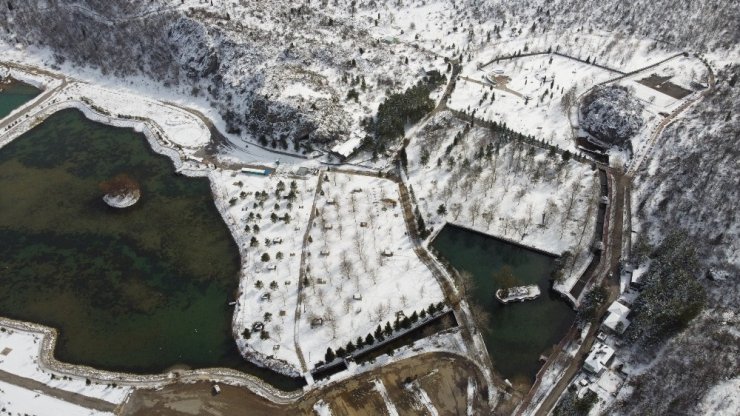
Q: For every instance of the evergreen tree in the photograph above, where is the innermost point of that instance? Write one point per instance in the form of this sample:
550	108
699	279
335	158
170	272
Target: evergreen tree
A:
379	333
329	356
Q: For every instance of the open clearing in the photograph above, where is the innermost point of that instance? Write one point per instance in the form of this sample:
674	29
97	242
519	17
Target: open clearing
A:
443	376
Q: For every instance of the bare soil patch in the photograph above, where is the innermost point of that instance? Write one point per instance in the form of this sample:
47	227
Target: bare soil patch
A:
443	376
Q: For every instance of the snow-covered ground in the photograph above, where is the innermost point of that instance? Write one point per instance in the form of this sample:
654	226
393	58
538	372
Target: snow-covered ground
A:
179	126
389	405
533	101
322	408
362	269
722	399
20	401
519	192
19	354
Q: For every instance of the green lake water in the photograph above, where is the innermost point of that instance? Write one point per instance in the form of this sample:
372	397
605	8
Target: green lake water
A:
141	289
14	95
518	332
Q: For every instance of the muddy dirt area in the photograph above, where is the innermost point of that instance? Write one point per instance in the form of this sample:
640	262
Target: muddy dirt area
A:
663	84
443	378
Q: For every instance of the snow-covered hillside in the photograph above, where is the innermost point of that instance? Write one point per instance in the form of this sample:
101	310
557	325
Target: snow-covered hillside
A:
300	75
691	184
692	180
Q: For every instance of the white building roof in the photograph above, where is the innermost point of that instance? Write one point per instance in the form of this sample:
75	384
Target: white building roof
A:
348	146
255	171
616	314
598	357
607	385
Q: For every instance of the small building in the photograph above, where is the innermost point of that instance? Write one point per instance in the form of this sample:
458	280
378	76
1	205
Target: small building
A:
363	224
277	240
257	326
328	226
320	281
387	253
324	252
608	384
330	201
599	358
317	322
271	267
616	318
357	296
216	389
253	171
265	297
400	315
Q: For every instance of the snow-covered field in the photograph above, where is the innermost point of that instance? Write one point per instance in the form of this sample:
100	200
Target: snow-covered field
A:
518	192
19	353
362	266
20	401
181	127
533	102
268	285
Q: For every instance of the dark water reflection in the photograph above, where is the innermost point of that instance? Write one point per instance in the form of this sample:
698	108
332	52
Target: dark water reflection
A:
519	332
141	289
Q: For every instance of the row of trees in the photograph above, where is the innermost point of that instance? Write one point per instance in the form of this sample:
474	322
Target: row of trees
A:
381	333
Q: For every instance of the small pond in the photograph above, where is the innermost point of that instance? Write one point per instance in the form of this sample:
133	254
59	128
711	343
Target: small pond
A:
14	94
519	333
141	289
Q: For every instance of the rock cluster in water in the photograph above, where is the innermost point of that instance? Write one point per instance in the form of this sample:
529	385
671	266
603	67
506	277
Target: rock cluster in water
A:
121	191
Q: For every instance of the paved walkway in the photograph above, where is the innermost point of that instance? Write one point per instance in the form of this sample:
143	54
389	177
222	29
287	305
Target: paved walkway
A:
302	271
78	399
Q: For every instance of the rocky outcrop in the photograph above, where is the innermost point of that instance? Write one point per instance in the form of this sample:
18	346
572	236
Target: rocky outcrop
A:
611	115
